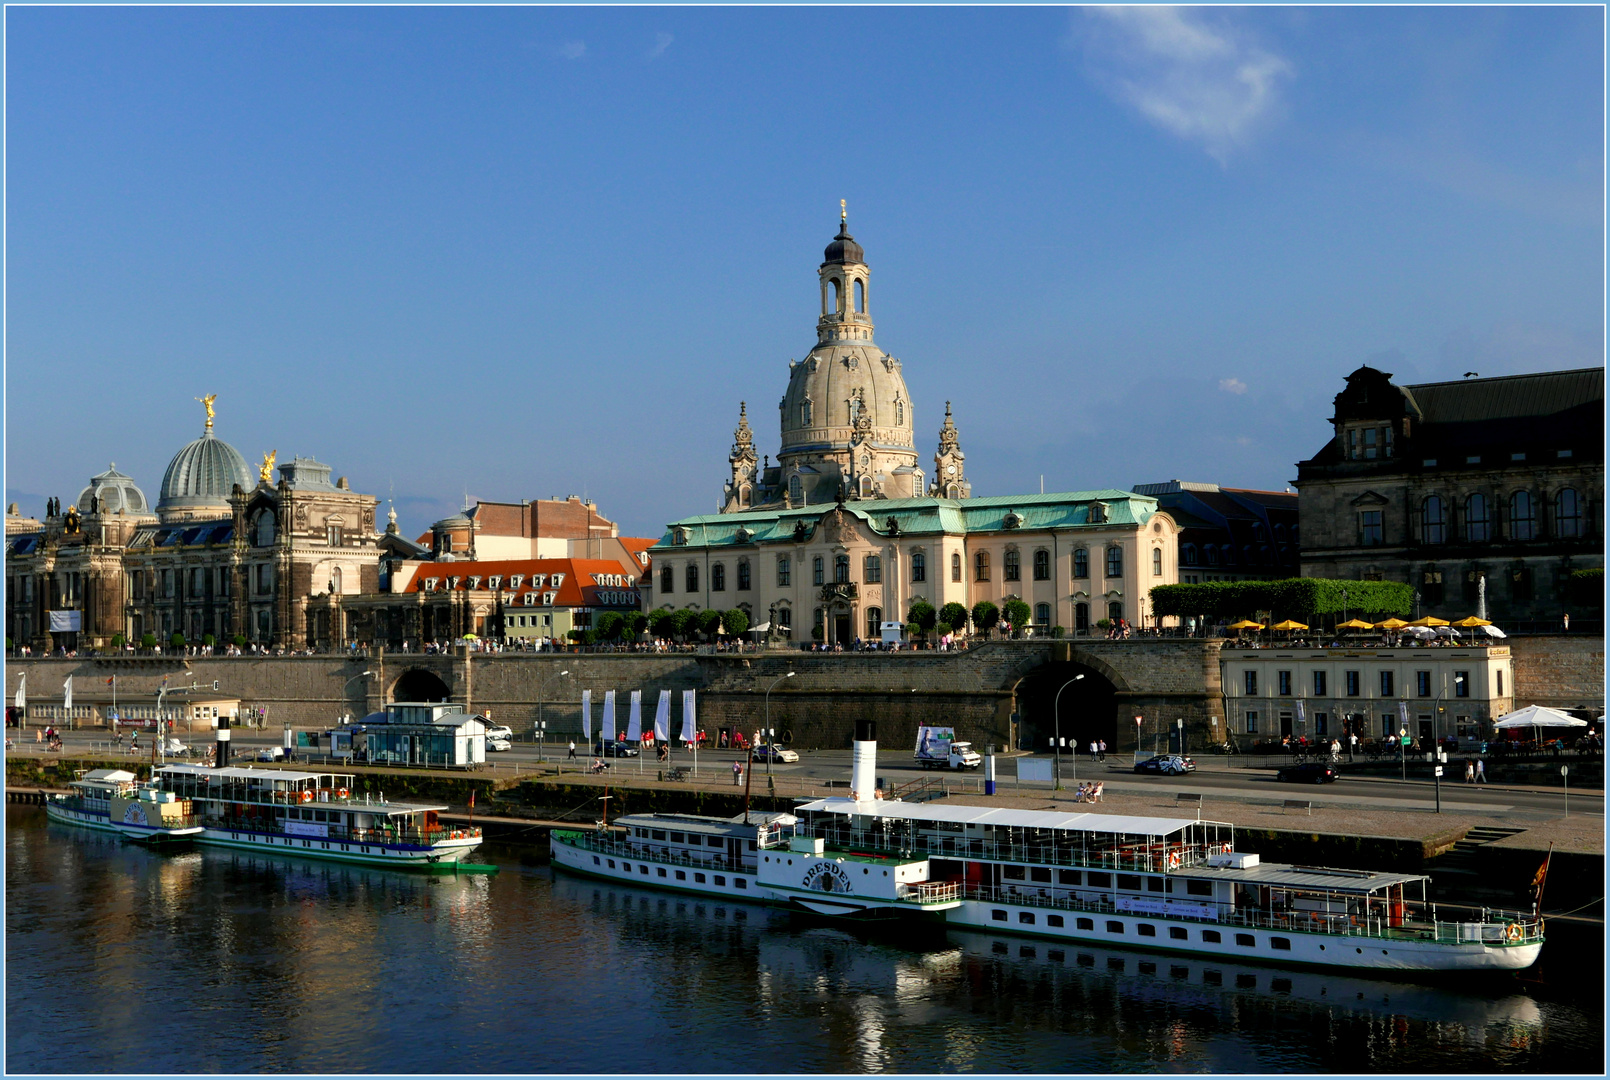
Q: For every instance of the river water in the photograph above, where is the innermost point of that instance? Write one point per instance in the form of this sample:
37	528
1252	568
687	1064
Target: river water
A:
125	961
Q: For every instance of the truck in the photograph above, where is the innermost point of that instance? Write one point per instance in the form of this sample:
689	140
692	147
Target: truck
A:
937	748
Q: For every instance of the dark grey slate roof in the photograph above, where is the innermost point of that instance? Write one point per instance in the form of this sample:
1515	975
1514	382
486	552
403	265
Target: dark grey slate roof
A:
1509	396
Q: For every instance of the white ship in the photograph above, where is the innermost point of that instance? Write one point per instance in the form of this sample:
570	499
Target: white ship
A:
1171	884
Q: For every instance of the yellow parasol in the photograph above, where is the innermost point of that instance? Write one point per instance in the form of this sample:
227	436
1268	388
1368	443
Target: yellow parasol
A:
1472	622
1289	624
1246	624
1355	624
1429	620
1391	624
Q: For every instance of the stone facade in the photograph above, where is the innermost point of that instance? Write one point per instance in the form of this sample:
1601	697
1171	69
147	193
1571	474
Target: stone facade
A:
1480	489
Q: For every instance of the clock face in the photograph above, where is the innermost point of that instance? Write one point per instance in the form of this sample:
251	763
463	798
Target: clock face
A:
950	470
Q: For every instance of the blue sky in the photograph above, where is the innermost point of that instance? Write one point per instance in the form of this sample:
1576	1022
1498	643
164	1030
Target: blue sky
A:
526	252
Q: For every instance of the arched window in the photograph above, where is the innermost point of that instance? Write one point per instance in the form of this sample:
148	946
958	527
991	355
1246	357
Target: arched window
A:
1432	527
860	296
841	569
1189	555
1212	551
265	529
1157	562
1478	519
955	566
835	296
866	487
796	490
1042	614
743	575
335	582
1042	565
667	579
743	495
1568	514
874	623
1431	589
919	566
872	570
805	413
1115	610
718	577
816	571
1115	561
981	566
1012	566
899	411
784	571
1081	618
693	577
1081	563
1522	519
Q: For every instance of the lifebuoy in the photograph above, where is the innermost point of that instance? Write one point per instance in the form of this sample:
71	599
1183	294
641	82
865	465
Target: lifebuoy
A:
307	796
1173	860
341	793
1227	848
1513	931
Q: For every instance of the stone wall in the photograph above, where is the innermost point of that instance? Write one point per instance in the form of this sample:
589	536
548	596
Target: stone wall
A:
1560	671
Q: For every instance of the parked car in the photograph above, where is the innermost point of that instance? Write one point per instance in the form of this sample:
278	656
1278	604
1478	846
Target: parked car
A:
500	732
499	744
1167	765
619	749
774	752
1309	772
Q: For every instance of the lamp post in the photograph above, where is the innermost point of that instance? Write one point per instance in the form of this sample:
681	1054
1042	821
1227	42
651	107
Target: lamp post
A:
539	729
1179	725
769	689
1056	727
1138	723
1436	710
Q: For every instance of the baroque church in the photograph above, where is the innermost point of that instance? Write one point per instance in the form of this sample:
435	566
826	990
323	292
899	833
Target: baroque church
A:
844	533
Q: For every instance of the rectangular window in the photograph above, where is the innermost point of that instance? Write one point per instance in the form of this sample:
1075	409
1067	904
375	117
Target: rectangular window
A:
1115	561
1067	877
1084	924
1319	684
1040	873
1500	675
1386	684
1199	888
919	567
997	914
1283	680
742	883
1369	528
1054	920
782	571
1246	941
818	571
1249	680
1252	721
1178	933
1131	882
1154	884
1081	563
1013	873
872	570
1099	879
1422	683
1280	943
1350	679
1461	684
1114	926
1026	918
1146	929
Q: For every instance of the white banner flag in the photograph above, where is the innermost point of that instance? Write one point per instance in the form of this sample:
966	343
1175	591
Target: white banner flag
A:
606	729
634	721
21	701
690	730
1302	714
1403	714
67	694
662	718
587	716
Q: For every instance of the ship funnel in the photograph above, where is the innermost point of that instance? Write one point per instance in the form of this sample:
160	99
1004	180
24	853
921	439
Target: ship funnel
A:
864	762
223	743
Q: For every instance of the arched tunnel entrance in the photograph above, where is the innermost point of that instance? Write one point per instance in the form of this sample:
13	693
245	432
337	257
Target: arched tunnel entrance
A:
1089	707
420	685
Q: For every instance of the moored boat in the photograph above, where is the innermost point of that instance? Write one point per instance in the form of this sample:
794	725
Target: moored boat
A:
148	815
90	804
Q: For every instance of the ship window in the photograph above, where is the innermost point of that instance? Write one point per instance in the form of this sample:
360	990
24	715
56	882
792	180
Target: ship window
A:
698	879
720	880
1012	873
626	866
1040	873
1199	888
1146	929
1098	879
1114	926
654	834
1129	881
1178	933
612	864
1026	918
642	870
1154	884
1085	924
1280	943
715	841
740	882
1067	877
1054	920
1245	940
682	875
678	838
661	870
1212	937
998	915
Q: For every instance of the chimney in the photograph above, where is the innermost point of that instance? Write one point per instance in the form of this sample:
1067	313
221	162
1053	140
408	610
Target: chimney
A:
223	742
864	762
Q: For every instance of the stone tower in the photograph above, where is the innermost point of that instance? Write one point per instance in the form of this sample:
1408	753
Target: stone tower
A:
950	481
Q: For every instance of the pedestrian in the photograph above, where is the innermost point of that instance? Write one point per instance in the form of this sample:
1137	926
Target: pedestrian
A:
1481	771
1352	745
1101	750
572	749
1096	792
1095	748
1470	771
737	773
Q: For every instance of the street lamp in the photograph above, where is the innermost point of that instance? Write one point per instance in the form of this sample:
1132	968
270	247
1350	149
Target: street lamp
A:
539	730
769	689
1138	722
1056	728
1436	711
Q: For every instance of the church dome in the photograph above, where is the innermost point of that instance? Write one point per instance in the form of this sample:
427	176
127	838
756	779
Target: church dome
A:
111	492
843	249
200	478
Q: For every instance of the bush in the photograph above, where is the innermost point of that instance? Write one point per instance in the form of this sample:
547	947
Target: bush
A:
985	616
662	623
923	616
816	632
942	628
610	625
1290	598
583	637
912	630
1104	624
239	641
148	641
208	640
709	622
176	641
1058	631
736	621
119	641
955	616
1018	614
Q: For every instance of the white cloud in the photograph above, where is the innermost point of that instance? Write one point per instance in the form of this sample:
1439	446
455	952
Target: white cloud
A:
662	41
1232	386
573	50
1188	71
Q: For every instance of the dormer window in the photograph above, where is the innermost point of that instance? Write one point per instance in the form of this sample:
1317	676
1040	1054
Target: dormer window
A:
530	599
556	580
537	580
452	582
548	598
495	581
430	584
1369	443
515	579
475	582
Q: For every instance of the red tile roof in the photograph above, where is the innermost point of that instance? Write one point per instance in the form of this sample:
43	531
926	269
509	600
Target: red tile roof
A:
581	582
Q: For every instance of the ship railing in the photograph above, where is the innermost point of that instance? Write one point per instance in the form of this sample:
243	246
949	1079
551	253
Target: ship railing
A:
1493	927
715	860
1137	858
380	837
929	892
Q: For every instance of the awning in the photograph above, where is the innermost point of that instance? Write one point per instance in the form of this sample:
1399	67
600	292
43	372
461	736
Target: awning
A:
1538	716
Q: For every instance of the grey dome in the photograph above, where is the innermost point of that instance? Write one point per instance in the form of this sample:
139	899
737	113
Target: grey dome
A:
844	249
112	491
200	478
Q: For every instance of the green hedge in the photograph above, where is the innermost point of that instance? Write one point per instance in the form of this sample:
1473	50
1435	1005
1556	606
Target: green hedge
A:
1292	598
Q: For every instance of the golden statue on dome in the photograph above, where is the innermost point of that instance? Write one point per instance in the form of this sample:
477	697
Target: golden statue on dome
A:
206	403
266	472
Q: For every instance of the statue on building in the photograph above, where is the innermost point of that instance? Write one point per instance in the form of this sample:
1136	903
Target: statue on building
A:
265	472
206	403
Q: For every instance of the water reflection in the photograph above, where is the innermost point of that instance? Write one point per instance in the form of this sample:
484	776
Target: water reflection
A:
209	961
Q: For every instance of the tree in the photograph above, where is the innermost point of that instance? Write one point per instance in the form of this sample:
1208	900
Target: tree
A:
1018	614
922	613
736	621
118	641
637	622
710	622
239	640
683	623
985	616
148	641
941	628
662	623
912	630
1058	631
176	641
955	615
609	626
208	640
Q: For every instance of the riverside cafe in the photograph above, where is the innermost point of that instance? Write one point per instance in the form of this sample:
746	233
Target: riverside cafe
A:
414	733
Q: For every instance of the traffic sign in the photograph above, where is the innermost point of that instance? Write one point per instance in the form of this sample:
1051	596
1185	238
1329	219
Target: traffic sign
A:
1439	770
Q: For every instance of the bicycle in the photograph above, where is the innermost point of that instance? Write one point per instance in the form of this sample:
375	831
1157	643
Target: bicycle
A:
1226	747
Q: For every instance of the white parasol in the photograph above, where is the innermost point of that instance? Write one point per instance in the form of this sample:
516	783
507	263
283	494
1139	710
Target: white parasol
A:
1538	716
